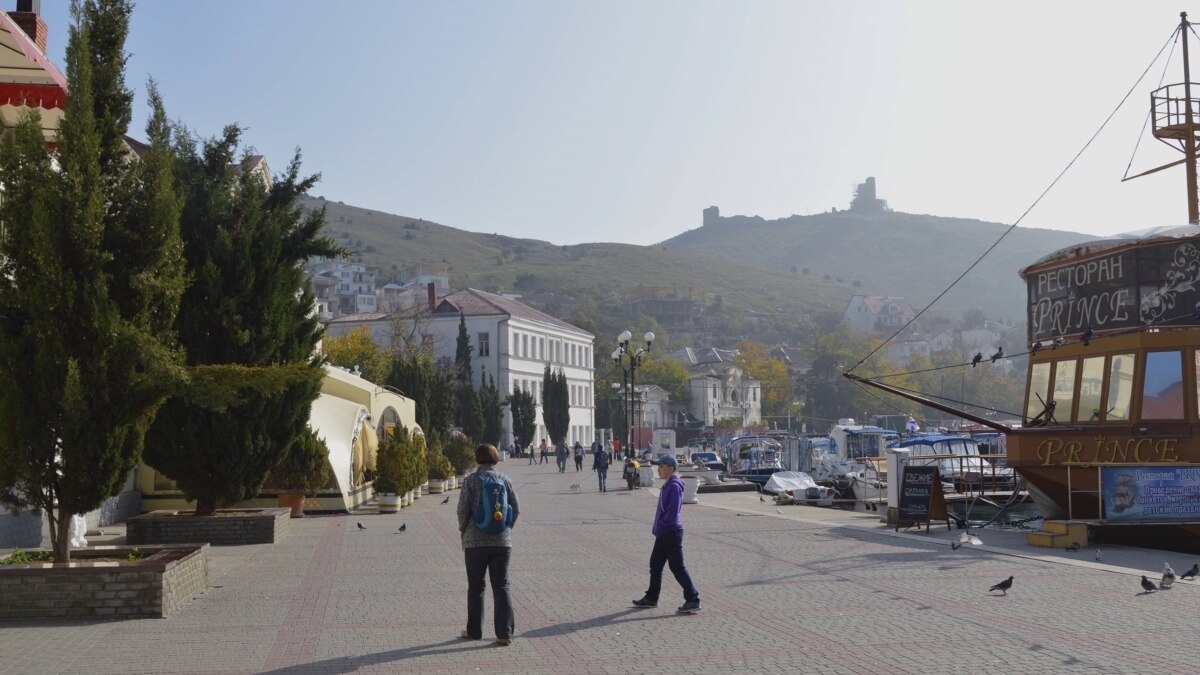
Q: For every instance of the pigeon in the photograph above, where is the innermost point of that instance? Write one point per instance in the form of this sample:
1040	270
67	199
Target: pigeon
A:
1099	555
446	500
1191	574
966	538
1147	585
998	355
978	357
403	527
1087	336
1168	577
760	498
361	526
1003	586
1073	547
1058	342
1036	346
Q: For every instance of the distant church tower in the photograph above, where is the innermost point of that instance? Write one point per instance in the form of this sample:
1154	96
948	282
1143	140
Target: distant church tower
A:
712	215
865	201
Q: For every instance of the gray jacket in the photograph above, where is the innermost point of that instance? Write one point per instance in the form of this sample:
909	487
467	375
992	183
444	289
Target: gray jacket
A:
468	499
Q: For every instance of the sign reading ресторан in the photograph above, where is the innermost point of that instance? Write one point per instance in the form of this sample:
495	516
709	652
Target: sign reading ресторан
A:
1147	285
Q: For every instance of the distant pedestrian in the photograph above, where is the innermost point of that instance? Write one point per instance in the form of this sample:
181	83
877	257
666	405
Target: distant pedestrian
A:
487	545
578	456
600	461
668	540
545	450
616	448
911	426
560	455
532	455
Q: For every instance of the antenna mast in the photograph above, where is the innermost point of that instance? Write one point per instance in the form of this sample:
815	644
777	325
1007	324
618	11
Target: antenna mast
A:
1189	152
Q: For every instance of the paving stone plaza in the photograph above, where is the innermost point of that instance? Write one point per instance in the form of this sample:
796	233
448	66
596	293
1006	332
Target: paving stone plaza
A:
784	589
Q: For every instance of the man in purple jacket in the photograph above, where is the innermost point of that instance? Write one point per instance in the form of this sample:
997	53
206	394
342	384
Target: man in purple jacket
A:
668	540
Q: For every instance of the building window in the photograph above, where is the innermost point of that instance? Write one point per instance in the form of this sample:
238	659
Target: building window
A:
484	347
525	346
541	349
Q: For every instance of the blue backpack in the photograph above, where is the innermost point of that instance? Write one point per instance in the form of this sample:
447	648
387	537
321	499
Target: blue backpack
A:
493	515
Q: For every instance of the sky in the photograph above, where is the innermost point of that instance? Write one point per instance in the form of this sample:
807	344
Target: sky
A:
620	121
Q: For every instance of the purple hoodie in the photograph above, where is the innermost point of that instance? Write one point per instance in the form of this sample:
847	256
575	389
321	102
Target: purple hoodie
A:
670	501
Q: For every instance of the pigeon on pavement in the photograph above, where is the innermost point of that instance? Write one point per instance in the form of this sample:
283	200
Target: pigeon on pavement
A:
360	526
1099	555
446	500
1168	577
403	527
966	538
760	498
1147	585
1191	574
1002	586
1073	547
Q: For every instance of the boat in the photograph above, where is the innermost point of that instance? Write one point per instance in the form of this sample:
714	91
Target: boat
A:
854	462
963	468
753	458
1111	409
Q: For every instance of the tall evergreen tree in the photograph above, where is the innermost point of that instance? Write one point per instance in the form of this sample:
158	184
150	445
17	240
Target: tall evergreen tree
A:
463	348
90	280
524	417
556	404
493	412
246	321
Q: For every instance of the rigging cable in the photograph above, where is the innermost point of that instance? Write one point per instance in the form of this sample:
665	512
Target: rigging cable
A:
1026	212
1150	113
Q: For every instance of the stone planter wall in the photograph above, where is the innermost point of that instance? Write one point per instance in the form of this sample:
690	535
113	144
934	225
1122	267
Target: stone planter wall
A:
230	527
157	586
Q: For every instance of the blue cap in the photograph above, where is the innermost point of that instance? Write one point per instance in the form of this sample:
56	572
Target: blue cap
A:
669	460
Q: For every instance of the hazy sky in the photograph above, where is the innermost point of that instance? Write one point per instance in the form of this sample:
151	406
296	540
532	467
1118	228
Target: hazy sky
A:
620	121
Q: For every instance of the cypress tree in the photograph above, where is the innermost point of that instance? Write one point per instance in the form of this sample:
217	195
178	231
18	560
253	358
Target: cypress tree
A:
246	321
90	280
493	413
556	404
524	417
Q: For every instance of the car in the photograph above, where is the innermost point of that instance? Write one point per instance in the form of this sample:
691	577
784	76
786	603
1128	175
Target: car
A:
708	460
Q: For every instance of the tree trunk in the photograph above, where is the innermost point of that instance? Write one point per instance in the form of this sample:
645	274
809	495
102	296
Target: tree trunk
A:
62	542
207	506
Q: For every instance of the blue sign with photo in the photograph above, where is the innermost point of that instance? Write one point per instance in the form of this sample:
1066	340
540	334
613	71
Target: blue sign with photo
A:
1144	493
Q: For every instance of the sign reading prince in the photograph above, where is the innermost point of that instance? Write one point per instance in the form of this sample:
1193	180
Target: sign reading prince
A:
1149	285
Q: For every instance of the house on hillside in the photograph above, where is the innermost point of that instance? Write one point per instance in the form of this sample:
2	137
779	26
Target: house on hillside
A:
342	286
873	313
719	387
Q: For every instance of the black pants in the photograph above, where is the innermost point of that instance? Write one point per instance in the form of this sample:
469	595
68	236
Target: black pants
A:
492	560
578	463
668	550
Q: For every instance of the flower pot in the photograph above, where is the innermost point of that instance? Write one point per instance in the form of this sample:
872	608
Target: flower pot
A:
690	485
416	493
425	488
389	503
408	499
294	500
437	486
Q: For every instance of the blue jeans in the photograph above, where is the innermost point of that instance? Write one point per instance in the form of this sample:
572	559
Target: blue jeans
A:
668	550
603	473
492	560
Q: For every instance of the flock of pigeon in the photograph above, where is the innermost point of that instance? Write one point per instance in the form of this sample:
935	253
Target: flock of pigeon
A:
403	526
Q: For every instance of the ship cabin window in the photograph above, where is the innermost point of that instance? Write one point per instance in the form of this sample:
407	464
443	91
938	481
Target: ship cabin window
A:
1120	388
1162	386
1091	386
1064	389
1039	382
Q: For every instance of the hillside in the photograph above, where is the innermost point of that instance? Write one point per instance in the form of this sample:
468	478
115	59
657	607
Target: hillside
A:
747	264
913	256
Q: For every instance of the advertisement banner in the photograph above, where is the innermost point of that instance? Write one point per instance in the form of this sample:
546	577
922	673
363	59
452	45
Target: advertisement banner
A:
1143	493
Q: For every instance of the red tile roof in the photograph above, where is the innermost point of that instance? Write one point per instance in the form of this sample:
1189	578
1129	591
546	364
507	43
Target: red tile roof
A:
472	302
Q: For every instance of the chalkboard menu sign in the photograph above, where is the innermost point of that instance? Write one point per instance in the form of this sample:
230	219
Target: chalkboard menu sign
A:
921	498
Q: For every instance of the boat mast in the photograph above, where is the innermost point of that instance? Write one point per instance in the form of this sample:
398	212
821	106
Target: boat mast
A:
1189	151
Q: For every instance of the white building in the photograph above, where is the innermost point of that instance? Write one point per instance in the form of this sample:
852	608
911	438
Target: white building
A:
514	343
869	314
726	392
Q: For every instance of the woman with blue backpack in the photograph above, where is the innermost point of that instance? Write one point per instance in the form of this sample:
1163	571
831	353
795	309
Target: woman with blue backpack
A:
487	511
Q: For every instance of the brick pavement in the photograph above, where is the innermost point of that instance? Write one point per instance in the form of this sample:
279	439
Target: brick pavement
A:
809	591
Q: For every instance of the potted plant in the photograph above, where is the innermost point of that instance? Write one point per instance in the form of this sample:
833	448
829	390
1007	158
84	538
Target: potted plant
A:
303	470
440	471
460	450
420	467
389	471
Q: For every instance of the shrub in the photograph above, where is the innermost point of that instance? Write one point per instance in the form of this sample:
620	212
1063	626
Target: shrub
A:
389	463
305	466
460	450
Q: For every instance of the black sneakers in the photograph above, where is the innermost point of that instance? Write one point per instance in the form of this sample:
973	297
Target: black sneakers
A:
645	602
689	607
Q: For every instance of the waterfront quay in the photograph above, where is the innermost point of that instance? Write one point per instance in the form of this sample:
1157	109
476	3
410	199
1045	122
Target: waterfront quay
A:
784	589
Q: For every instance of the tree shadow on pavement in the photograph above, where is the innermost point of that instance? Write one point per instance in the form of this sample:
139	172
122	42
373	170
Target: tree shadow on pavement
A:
350	664
616	618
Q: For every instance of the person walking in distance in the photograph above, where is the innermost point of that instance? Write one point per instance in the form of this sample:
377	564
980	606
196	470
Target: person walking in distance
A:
532	455
668	540
600	462
560	455
578	456
544	450
487	512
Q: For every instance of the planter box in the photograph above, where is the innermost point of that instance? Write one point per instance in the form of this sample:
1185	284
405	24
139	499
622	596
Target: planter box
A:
389	503
436	486
228	527
157	586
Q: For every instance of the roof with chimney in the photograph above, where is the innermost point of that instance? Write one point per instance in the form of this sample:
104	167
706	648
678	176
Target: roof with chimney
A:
28	79
473	302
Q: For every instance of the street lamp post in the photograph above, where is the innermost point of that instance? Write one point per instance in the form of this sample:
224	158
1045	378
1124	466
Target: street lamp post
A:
629	358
